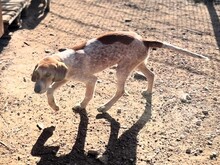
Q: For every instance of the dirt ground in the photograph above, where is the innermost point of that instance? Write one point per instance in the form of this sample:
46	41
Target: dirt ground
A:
180	124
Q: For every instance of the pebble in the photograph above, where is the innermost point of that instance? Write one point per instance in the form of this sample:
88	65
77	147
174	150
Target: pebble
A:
26	43
206	88
198	123
93	153
47	51
182	136
127	20
111	72
119	111
198	151
99	81
213	155
205	113
40	126
3	68
61	49
209	142
185	98
188	151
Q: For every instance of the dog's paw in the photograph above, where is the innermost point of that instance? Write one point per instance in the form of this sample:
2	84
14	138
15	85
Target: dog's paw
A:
146	94
77	107
55	107
102	109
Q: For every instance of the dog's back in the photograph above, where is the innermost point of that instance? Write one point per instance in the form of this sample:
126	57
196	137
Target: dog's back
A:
110	49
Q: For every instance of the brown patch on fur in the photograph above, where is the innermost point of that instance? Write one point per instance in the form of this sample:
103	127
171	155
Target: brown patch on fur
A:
154	44
79	46
111	38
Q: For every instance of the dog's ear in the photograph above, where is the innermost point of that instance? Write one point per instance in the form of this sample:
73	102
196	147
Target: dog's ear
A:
61	70
35	75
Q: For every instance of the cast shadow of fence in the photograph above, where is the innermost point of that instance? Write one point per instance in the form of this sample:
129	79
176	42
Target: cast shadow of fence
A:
215	21
119	151
210	4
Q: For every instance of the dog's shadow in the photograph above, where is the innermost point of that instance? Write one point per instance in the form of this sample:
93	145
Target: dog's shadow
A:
123	150
76	156
119	150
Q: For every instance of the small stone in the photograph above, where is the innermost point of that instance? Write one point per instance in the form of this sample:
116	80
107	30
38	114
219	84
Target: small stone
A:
139	76
132	160
40	126
209	142
3	68
93	153
198	151
215	99
188	151
182	136
99	81
26	43
188	97
185	98
119	111
198	123
61	49
47	51
205	113
213	155
24	79
127	20
206	88
19	158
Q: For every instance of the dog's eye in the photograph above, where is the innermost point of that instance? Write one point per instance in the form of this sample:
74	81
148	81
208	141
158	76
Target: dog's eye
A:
48	75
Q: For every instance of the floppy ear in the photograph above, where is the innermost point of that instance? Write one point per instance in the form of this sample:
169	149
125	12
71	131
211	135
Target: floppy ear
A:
35	75
61	70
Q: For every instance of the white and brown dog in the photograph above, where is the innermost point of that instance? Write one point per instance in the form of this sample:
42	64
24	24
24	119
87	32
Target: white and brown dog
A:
126	49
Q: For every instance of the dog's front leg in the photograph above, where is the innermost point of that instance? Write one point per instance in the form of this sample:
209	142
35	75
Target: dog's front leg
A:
90	86
50	97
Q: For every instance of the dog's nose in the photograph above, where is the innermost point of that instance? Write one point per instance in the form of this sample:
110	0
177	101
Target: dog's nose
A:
37	88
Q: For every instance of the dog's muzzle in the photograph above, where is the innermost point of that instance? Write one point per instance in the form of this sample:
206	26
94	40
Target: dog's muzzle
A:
37	88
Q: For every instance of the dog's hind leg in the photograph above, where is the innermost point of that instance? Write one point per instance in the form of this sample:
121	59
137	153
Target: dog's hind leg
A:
121	75
149	75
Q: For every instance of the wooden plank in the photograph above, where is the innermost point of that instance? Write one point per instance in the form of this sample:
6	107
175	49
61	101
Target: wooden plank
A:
11	9
1	22
14	1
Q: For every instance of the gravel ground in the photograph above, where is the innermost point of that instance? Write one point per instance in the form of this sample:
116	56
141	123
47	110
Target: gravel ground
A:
179	124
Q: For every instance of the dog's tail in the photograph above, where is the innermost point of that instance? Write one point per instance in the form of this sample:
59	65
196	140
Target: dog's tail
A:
158	44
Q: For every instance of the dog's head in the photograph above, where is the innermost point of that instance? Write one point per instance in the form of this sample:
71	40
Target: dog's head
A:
46	72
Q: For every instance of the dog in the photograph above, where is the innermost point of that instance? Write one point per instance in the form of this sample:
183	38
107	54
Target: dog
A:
127	50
